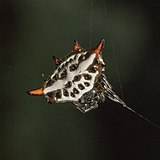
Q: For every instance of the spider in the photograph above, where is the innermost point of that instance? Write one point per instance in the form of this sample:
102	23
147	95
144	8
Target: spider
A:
79	78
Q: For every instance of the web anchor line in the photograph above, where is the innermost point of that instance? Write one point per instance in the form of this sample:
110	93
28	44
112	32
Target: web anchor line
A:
146	119
112	95
91	24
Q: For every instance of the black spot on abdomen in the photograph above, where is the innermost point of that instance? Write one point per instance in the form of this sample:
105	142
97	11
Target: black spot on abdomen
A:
65	92
68	84
73	67
58	93
80	86
77	78
75	91
72	94
86	84
87	76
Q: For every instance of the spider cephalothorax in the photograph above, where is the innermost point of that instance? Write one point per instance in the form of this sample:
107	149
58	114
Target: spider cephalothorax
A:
79	78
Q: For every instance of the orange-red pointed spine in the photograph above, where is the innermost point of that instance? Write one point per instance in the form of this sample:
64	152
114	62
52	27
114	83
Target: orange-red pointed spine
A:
36	92
99	47
76	46
56	60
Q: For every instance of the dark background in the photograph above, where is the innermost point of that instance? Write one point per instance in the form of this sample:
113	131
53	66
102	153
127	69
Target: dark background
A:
31	31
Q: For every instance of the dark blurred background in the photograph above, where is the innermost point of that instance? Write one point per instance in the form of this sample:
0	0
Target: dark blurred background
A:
31	31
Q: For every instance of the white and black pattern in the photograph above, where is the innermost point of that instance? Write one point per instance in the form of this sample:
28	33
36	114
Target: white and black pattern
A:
79	78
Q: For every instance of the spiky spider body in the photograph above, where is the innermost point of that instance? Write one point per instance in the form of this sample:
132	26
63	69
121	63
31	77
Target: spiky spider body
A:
79	79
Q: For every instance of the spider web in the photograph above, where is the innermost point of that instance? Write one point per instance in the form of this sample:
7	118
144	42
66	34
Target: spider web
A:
106	13
114	57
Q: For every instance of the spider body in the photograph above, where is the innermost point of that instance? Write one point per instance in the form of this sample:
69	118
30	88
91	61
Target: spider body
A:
79	79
